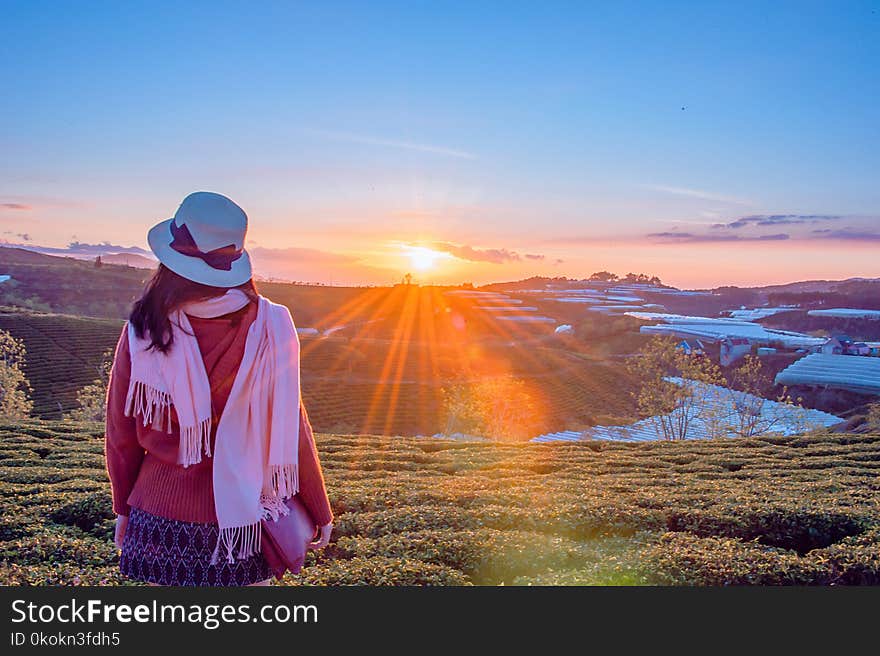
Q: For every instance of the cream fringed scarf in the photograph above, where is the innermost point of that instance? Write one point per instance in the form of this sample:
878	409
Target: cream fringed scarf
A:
257	441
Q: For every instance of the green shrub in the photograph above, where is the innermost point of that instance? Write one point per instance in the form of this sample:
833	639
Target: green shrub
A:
795	528
683	559
89	514
801	510
377	571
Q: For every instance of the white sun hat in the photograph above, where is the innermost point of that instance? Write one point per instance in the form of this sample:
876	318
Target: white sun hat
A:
204	241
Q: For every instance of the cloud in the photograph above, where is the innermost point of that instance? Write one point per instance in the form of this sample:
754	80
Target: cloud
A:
746	228
699	194
690	237
846	234
21	207
393	143
777	220
492	255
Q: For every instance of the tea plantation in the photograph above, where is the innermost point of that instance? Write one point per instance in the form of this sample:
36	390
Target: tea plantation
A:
800	510
347	389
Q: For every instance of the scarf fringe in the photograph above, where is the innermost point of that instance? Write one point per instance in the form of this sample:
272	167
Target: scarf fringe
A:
284	480
246	538
151	404
154	407
194	440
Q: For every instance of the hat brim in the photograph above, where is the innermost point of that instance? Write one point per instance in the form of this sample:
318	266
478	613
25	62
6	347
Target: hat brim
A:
193	268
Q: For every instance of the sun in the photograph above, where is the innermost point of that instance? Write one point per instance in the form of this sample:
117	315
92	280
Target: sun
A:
423	258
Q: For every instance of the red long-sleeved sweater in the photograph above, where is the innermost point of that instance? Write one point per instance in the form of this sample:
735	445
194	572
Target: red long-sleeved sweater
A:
142	462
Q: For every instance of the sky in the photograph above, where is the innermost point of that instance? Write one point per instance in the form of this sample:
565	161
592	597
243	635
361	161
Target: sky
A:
707	143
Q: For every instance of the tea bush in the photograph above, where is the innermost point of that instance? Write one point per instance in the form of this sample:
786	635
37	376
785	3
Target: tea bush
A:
377	570
411	511
87	514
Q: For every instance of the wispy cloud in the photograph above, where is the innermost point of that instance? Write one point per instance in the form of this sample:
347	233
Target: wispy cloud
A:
492	255
698	193
764	220
367	140
690	237
19	207
846	234
799	227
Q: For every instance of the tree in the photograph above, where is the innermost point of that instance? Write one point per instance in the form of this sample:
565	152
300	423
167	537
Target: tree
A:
603	276
500	408
753	413
675	388
15	390
749	417
91	400
873	417
643	278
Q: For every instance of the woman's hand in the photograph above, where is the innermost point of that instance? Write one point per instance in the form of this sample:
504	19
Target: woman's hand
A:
121	525
323	538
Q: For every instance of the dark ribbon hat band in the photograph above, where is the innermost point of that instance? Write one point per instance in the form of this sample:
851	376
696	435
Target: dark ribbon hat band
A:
219	258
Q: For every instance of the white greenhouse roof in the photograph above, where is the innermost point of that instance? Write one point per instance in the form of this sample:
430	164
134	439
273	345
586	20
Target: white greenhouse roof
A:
527	318
757	313
715	329
855	373
475	293
589	300
715	418
505	308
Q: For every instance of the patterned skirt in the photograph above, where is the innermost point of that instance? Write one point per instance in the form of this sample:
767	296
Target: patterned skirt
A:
169	552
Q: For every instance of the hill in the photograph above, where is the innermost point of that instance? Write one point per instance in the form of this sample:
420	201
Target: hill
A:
64	354
135	260
350	384
815	286
380	366
68	285
798	510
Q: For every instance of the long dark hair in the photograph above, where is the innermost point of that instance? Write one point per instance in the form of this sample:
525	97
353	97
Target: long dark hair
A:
164	293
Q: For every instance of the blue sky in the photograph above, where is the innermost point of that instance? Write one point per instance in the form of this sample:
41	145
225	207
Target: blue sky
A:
607	135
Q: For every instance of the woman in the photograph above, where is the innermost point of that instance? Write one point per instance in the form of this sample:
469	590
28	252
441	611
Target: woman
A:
206	435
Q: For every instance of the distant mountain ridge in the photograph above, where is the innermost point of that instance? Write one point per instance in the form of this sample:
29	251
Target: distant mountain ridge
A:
133	256
797	287
812	286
